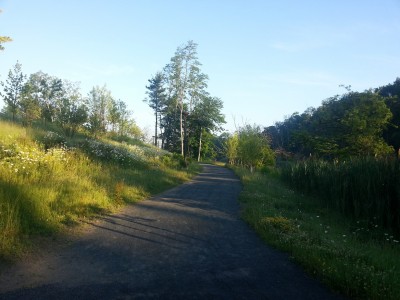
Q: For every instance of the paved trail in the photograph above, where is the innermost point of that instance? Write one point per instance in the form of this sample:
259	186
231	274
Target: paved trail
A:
187	243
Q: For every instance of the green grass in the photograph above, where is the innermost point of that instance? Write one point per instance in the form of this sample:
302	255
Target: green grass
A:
359	260
43	192
360	188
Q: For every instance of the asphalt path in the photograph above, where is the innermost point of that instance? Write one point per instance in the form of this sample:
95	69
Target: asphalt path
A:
186	243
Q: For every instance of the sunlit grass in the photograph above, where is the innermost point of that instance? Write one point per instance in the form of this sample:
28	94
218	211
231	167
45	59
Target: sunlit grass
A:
360	260
43	188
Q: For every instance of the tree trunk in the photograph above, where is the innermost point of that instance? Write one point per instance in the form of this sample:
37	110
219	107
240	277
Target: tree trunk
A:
201	134
181	125
155	134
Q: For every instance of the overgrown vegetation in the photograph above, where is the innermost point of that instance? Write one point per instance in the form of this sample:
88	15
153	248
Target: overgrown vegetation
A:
360	188
355	256
48	181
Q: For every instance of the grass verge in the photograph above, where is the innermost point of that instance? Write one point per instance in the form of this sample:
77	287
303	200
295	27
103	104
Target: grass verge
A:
46	187
358	259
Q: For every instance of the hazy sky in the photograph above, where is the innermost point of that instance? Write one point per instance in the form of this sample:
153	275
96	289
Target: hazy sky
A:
265	59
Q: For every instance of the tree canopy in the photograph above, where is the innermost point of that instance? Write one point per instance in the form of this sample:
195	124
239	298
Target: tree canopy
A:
353	124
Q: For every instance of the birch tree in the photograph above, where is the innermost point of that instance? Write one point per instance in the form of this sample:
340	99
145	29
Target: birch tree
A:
185	83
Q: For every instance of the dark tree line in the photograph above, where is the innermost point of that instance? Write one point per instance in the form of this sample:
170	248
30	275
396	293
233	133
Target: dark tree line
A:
42	97
185	113
353	124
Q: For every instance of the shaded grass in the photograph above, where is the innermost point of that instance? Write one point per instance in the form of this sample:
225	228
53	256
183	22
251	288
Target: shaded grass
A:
359	261
360	188
42	192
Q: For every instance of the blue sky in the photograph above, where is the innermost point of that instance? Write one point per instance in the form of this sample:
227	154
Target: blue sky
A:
265	59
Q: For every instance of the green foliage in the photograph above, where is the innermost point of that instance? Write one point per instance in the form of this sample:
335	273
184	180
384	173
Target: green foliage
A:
343	126
45	186
391	92
250	148
60	102
156	100
12	89
187	113
361	188
185	84
206	117
231	148
352	256
71	112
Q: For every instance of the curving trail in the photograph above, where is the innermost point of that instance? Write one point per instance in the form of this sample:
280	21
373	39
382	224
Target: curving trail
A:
187	243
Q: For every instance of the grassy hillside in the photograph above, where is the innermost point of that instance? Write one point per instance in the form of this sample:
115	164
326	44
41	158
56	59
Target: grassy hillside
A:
48	183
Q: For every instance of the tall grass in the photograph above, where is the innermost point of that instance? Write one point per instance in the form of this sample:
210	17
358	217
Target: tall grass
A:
358	261
45	185
361	188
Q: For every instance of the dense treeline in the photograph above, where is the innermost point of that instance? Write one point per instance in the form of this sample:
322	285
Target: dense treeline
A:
46	98
354	124
186	115
343	152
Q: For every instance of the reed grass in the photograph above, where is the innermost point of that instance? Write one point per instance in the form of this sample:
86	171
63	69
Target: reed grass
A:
365	189
348	255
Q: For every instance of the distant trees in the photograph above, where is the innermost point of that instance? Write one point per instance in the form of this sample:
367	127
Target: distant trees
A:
72	112
391	93
205	118
185	112
353	124
60	102
12	89
185	84
48	91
